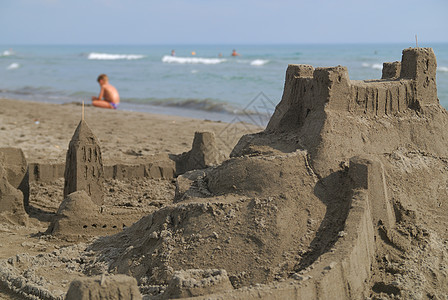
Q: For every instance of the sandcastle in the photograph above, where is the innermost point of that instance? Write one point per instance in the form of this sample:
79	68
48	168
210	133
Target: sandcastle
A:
310	205
82	214
323	204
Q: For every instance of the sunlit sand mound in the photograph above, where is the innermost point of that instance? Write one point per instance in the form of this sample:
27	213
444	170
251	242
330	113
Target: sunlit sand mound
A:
256	230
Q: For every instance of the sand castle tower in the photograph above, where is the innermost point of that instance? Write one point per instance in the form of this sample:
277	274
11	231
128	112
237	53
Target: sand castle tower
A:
204	153
84	166
12	209
16	167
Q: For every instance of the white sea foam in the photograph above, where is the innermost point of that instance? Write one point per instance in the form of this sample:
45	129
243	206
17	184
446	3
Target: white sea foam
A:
13	66
192	60
7	53
108	56
442	69
373	66
259	62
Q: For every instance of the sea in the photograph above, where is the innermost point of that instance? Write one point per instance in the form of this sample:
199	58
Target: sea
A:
199	81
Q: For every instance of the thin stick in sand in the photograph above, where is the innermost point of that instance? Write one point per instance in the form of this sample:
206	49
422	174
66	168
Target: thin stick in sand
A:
82	111
416	41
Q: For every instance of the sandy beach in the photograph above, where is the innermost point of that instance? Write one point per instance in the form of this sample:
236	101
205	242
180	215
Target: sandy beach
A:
43	132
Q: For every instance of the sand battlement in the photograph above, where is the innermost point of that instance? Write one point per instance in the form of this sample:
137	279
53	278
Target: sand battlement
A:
410	83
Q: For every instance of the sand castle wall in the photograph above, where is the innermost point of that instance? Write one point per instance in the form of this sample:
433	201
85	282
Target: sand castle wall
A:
104	287
309	89
164	169
204	153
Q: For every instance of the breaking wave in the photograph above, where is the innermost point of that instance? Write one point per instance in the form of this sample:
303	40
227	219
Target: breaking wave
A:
6	53
380	67
108	56
259	62
373	66
13	66
192	60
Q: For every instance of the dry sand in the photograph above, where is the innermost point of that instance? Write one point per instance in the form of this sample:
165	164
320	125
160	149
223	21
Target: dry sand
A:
43	131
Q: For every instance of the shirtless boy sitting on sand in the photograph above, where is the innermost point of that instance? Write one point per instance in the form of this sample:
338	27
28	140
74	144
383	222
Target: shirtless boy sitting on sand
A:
109	97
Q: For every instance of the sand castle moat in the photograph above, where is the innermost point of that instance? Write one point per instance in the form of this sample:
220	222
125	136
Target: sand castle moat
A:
342	196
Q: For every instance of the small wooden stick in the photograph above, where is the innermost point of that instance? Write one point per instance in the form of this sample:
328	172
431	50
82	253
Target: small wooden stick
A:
416	41
82	112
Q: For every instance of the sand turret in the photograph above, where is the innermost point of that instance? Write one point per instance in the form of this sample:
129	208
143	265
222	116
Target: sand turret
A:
203	154
84	165
12	209
16	167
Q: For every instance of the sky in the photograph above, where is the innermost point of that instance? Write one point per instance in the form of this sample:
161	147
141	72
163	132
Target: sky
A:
117	22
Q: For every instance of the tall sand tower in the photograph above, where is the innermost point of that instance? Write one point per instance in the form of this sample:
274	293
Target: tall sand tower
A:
84	166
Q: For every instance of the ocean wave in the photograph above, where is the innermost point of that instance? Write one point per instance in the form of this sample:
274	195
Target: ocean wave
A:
192	60
30	90
7	53
380	67
205	104
377	66
13	66
198	104
208	105
259	62
109	56
373	66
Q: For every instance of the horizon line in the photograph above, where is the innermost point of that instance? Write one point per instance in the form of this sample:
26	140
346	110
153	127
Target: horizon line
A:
220	44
